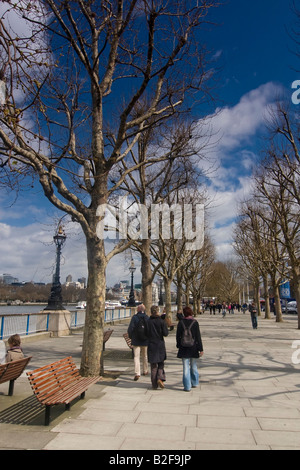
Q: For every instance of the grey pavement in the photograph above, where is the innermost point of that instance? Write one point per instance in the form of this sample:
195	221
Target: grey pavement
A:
248	397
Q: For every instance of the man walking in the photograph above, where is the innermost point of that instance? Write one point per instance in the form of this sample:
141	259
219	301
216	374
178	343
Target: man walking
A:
137	334
253	313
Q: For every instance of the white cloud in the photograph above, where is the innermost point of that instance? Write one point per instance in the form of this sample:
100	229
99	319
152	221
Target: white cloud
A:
23	251
29	254
237	125
238	130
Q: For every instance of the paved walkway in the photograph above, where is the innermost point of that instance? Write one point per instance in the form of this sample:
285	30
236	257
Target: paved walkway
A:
248	397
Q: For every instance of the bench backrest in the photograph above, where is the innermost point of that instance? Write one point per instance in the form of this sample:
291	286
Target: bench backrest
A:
128	340
12	370
106	335
49	379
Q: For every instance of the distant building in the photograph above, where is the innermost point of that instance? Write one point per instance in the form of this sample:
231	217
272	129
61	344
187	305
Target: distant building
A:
77	285
8	279
82	280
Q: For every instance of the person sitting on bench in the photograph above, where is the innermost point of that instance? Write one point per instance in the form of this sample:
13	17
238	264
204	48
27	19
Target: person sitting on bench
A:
15	351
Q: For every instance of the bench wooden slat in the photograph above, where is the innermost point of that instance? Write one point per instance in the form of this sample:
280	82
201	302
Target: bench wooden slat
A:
10	371
66	396
106	335
65	362
48	390
59	383
128	342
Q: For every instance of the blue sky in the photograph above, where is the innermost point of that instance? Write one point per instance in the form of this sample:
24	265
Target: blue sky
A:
252	50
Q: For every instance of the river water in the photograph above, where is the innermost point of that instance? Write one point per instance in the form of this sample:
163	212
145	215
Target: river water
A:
16	309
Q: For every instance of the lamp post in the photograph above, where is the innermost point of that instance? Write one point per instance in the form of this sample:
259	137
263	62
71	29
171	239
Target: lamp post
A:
55	299
131	301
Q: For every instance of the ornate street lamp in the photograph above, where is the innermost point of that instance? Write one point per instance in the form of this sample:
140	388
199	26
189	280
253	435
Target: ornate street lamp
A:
131	301
55	299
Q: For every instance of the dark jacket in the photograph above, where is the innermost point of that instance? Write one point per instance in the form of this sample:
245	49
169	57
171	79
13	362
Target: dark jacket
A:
192	351
131	329
156	330
253	310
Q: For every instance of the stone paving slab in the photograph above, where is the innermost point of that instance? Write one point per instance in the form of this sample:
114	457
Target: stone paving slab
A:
229	410
248	397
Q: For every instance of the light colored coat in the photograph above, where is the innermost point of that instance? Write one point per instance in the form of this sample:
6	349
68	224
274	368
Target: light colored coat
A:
14	354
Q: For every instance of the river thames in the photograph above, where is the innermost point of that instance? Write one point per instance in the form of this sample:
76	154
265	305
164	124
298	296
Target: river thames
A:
27	308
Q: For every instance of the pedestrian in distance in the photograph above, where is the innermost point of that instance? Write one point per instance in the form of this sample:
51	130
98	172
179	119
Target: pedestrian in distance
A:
156	331
253	313
14	351
139	340
223	309
190	348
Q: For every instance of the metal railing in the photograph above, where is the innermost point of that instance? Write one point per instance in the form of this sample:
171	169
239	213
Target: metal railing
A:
26	324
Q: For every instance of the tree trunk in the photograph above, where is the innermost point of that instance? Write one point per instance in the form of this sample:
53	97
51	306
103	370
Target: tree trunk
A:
187	293
146	275
296	286
267	299
257	298
179	293
278	310
94	322
168	302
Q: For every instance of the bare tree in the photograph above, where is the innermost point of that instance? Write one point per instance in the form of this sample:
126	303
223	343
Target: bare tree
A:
257	243
197	271
278	187
74	79
174	252
181	147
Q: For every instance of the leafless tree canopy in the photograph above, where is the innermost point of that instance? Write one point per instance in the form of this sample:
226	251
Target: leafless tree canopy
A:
84	81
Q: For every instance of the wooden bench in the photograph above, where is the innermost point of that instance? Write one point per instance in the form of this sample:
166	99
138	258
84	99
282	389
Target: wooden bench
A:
59	383
128	342
107	334
10	371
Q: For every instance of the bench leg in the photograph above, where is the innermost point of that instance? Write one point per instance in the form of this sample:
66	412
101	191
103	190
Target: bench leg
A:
47	415
82	395
11	388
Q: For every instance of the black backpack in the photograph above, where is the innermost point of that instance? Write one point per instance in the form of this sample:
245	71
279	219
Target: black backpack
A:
140	329
187	340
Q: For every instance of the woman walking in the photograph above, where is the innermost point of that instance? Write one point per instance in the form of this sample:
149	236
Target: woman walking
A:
189	344
156	330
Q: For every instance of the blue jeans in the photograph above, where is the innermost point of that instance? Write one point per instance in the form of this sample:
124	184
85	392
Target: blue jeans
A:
190	373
